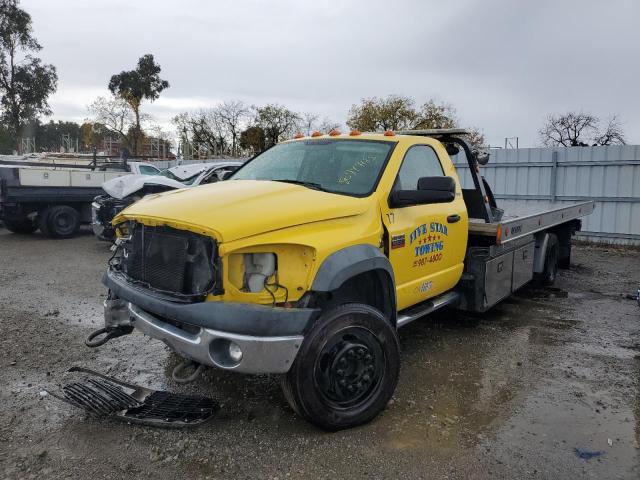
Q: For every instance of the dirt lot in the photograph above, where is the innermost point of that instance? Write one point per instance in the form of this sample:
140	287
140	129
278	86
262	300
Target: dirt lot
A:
510	394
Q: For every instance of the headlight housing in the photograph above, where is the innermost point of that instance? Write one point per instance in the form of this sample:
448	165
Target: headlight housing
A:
258	267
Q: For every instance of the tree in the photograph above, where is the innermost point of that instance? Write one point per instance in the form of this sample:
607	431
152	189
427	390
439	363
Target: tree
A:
577	129
232	114
253	140
435	115
49	135
133	86
92	134
25	82
399	113
116	115
612	134
276	121
373	114
308	122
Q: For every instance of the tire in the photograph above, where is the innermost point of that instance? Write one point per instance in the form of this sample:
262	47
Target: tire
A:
346	370
61	221
43	221
20	226
548	276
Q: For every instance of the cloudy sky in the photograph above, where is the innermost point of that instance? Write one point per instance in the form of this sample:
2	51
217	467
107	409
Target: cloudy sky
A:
505	65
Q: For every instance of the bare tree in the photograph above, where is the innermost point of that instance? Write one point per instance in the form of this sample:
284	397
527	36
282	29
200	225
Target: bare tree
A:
308	122
327	125
115	114
576	129
232	115
612	134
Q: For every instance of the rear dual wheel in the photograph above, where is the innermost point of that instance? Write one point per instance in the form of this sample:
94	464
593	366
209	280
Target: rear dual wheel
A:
347	368
59	221
20	226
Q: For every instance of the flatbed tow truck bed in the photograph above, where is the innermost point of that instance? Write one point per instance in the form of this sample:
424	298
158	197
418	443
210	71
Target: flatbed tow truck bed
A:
521	219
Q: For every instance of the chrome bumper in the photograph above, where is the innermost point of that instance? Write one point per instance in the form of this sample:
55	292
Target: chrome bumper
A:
211	347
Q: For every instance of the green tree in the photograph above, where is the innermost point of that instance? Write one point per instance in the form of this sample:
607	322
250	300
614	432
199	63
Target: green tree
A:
143	83
277	122
253	140
25	82
49	135
399	113
394	112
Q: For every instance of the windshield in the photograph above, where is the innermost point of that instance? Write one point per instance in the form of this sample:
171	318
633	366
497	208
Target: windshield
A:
350	167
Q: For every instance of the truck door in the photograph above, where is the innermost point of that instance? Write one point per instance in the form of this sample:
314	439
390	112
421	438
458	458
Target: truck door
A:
426	243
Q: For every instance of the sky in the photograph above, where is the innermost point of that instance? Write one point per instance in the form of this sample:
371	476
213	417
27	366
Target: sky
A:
505	65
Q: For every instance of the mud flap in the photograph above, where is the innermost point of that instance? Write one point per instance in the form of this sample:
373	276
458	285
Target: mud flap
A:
105	396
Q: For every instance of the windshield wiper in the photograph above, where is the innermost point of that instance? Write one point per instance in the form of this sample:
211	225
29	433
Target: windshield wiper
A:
315	186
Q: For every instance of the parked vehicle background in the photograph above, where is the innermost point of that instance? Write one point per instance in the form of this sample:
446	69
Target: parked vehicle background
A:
123	191
55	197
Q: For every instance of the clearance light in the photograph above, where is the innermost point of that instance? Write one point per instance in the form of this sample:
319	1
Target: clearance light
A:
355	133
298	135
499	235
334	133
389	133
316	134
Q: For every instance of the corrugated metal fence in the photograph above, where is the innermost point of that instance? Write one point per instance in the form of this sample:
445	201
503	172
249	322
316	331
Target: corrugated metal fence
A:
609	175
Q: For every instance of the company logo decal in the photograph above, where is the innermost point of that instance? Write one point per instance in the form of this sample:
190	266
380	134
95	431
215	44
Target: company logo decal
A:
430	241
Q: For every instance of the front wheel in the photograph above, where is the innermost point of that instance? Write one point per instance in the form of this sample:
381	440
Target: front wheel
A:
347	368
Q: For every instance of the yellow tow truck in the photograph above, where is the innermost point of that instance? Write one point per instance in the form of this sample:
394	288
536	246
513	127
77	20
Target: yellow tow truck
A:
307	261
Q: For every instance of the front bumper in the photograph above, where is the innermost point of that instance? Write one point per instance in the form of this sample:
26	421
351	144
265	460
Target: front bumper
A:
268	337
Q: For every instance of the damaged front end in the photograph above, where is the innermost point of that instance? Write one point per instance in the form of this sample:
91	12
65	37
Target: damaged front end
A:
162	281
164	262
103	209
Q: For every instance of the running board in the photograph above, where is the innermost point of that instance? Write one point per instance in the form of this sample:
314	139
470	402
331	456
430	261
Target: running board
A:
411	314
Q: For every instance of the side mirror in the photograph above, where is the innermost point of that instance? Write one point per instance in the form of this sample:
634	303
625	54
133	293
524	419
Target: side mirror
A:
430	190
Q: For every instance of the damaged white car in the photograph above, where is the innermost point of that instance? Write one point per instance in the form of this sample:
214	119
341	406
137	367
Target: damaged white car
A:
123	191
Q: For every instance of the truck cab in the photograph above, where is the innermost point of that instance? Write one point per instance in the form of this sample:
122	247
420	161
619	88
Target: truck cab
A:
305	262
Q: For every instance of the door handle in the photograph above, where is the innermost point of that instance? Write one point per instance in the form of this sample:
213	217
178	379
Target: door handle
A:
453	218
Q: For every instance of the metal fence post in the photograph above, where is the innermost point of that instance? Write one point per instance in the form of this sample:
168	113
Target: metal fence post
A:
554	175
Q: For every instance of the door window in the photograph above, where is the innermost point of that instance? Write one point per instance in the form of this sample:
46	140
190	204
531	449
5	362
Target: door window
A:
419	161
149	170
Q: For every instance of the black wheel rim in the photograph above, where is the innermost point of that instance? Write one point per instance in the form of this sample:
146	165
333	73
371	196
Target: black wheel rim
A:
350	368
63	223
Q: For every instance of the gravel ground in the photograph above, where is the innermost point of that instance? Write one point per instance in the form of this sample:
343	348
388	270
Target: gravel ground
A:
510	394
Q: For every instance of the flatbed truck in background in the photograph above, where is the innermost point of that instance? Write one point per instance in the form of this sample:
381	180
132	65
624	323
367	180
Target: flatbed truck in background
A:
56	197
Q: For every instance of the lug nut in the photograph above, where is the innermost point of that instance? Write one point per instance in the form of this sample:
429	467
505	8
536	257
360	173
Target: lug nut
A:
366	378
343	360
350	388
360	352
368	358
359	385
351	353
340	372
342	382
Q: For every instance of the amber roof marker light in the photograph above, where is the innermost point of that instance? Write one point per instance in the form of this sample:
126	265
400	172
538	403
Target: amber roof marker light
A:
334	133
316	134
389	133
298	135
355	133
